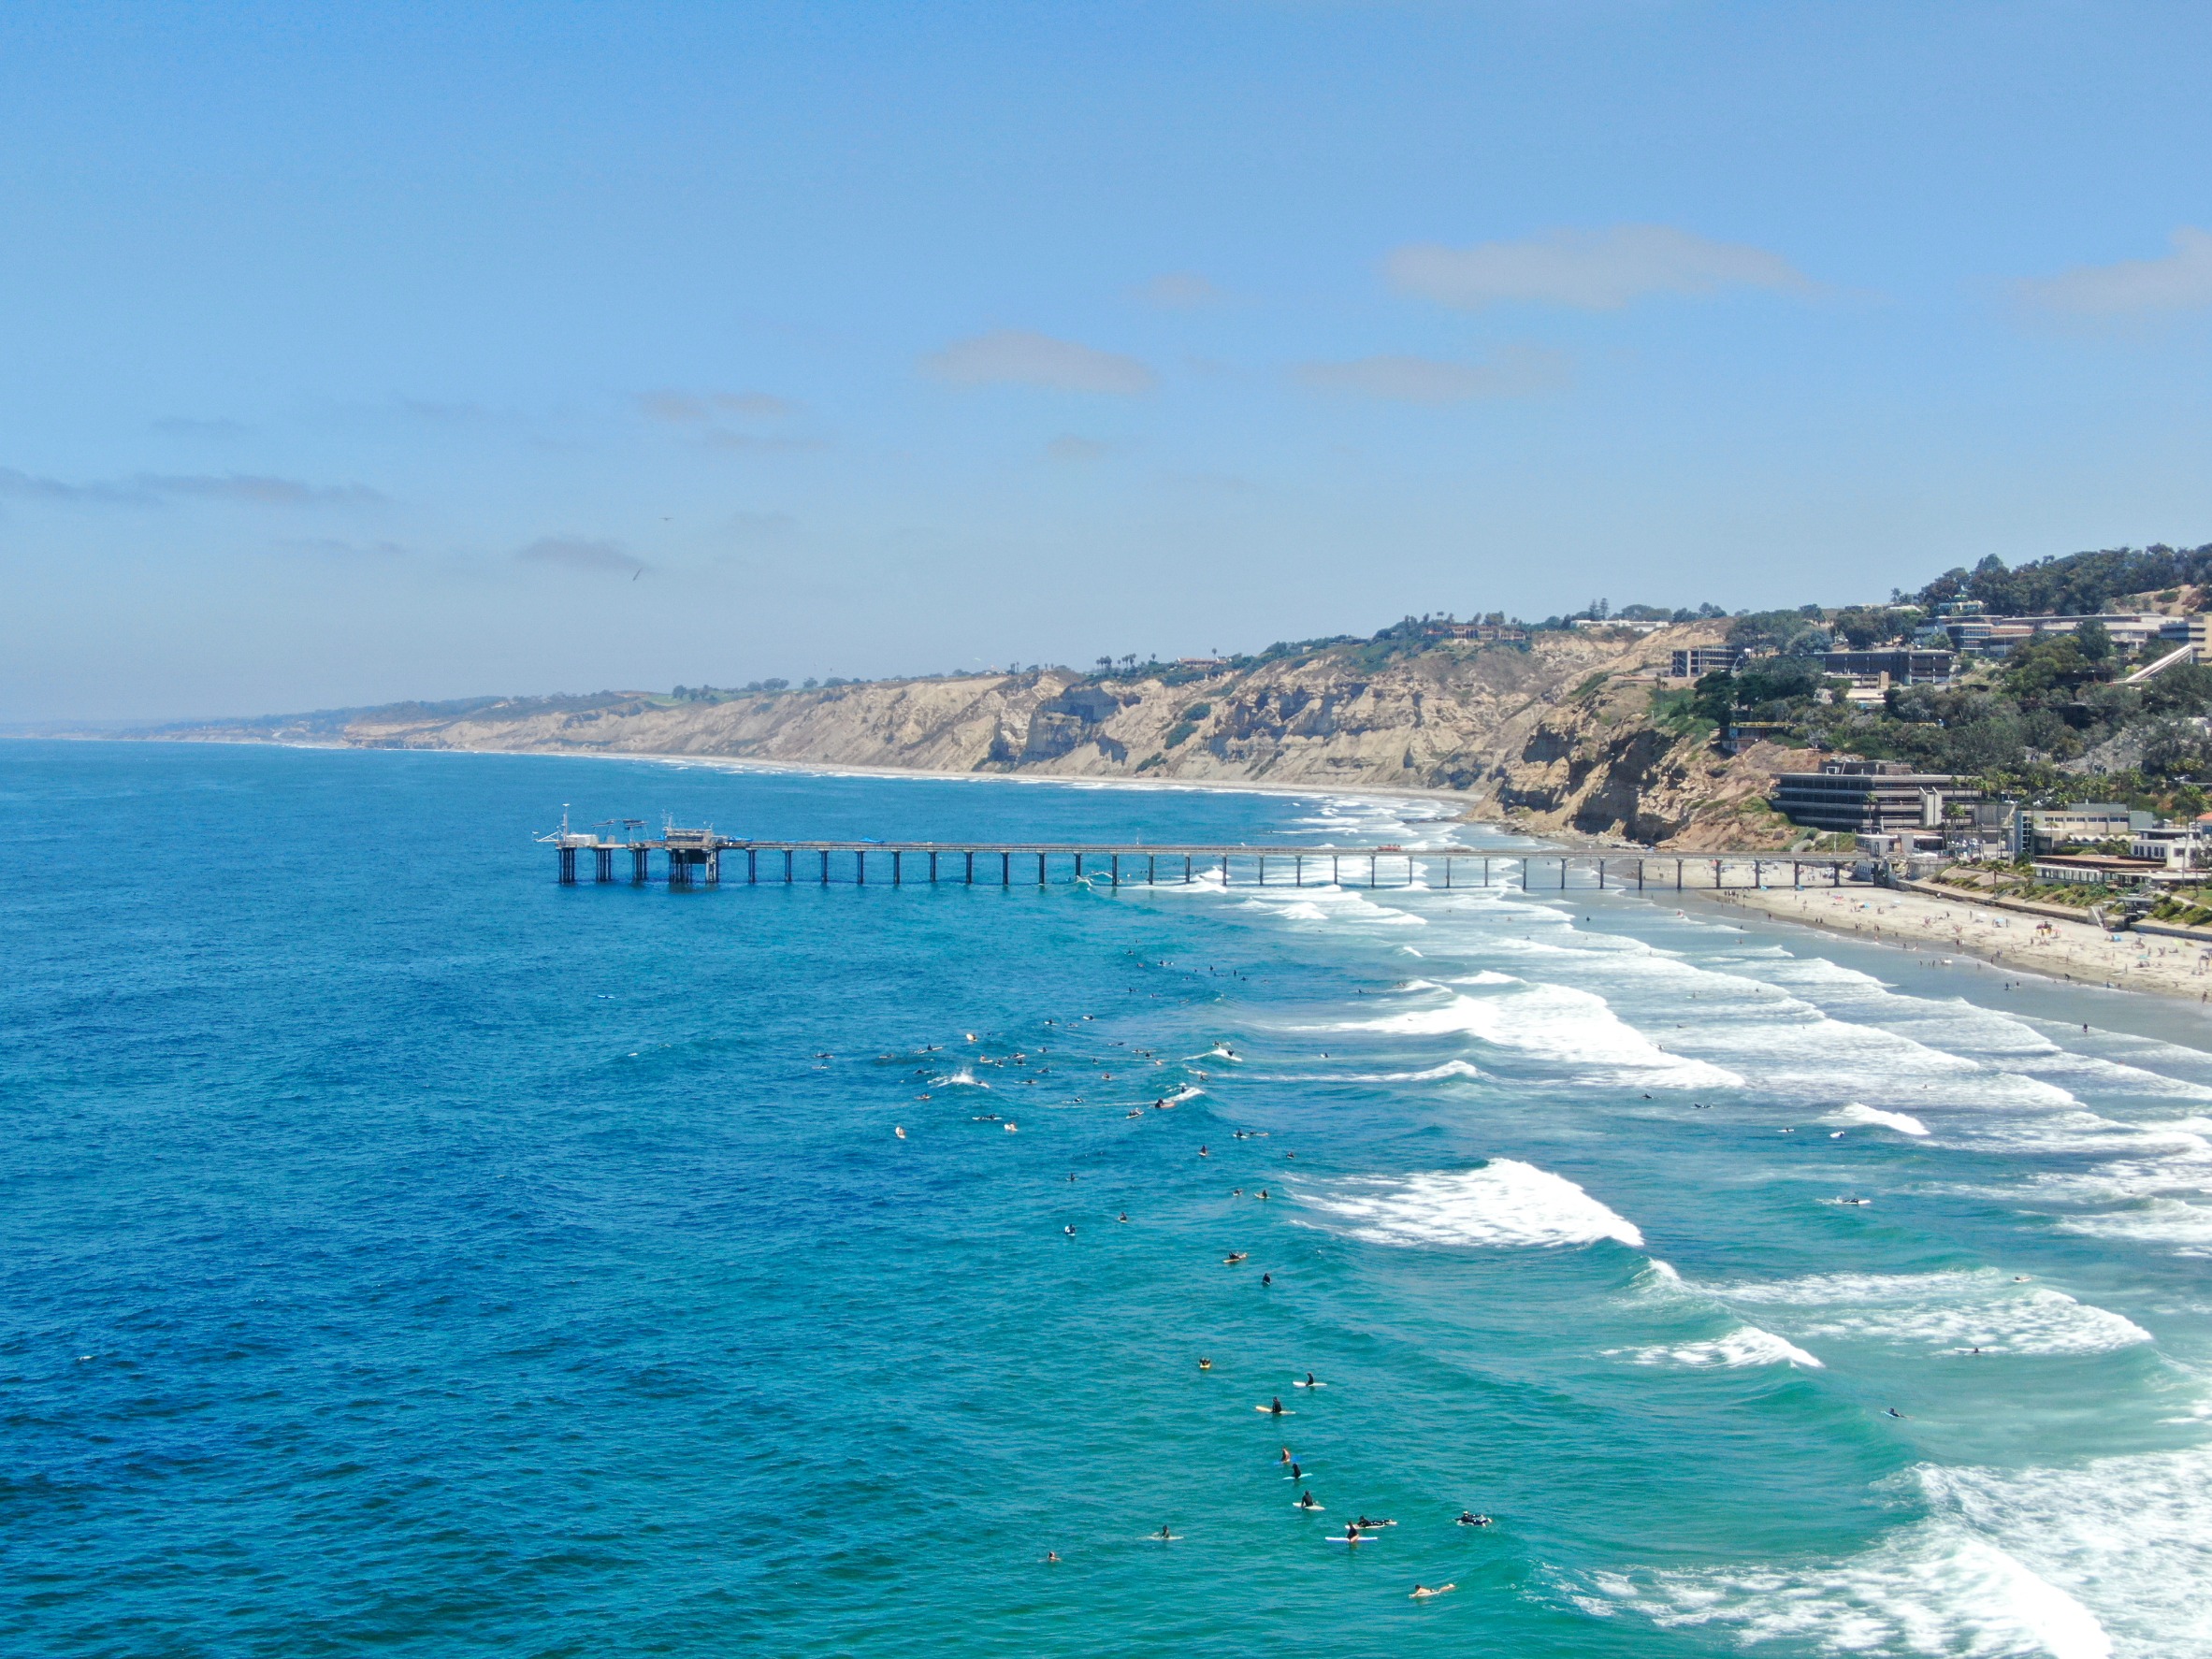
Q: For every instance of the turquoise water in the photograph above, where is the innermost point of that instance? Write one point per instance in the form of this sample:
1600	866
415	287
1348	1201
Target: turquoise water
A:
403	1253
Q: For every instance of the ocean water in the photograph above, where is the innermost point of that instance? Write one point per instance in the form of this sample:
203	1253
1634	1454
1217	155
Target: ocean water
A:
400	1253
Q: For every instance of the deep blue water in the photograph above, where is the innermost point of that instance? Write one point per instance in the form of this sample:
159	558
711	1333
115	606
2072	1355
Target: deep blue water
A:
403	1253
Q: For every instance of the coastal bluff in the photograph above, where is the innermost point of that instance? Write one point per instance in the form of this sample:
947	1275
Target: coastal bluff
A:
1558	734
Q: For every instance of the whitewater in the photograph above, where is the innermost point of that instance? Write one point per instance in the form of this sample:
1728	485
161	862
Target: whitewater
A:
403	1251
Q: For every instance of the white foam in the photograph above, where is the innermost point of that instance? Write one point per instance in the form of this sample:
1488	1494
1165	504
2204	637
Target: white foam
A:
1746	1344
1556	1022
1982	1308
2157	1221
1934	1588
1505	1202
964	1077
2126	1535
1452	1070
1874	1115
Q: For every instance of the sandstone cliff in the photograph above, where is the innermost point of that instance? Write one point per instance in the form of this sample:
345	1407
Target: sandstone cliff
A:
1557	735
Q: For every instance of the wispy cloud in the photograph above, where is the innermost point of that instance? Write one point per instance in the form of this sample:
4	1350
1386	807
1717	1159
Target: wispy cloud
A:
690	407
263	491
581	552
1597	270
753	442
335	547
1017	357
1182	291
1518	371
2180	282
149	489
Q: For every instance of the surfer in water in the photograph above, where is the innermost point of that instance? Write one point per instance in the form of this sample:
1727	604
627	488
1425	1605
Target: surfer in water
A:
1165	1537
1266	1279
1353	1535
1275	1409
1204	1364
1233	1257
1306	1501
1422	1591
1309	1383
1469	1518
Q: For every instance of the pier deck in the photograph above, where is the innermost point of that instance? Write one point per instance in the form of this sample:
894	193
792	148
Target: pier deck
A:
704	859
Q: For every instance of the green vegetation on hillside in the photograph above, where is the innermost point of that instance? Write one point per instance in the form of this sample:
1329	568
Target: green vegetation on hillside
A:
2049	723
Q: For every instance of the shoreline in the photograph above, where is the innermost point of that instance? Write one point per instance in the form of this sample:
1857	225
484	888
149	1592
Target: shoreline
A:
2058	952
2054	951
848	769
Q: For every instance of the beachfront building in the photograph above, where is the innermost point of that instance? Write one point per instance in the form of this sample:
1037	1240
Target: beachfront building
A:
1867	797
2096	869
2051	827
2173	846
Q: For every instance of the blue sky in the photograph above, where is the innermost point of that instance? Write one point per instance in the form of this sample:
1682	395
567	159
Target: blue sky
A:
435	351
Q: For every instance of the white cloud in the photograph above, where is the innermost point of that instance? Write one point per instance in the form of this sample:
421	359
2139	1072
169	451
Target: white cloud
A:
1069	447
1180	291
1600	270
1518	371
2181	282
1016	357
579	553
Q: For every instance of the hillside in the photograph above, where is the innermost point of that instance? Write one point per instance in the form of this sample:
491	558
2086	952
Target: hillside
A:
1555	733
1556	728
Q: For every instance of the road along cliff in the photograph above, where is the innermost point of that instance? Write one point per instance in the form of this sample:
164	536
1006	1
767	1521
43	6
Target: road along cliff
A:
1569	730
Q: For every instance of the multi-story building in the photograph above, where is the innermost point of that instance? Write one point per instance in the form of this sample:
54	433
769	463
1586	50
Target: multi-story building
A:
1701	660
2176	846
1899	668
2050	828
1867	797
1993	636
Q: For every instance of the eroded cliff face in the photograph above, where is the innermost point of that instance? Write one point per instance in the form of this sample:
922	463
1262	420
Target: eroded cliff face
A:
1557	736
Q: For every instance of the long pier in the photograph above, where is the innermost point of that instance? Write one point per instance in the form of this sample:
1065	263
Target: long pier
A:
700	857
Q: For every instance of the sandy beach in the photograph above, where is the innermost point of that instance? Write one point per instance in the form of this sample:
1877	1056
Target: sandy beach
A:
2081	952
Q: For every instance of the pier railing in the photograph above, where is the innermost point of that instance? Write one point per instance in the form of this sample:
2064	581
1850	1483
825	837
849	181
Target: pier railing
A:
692	858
